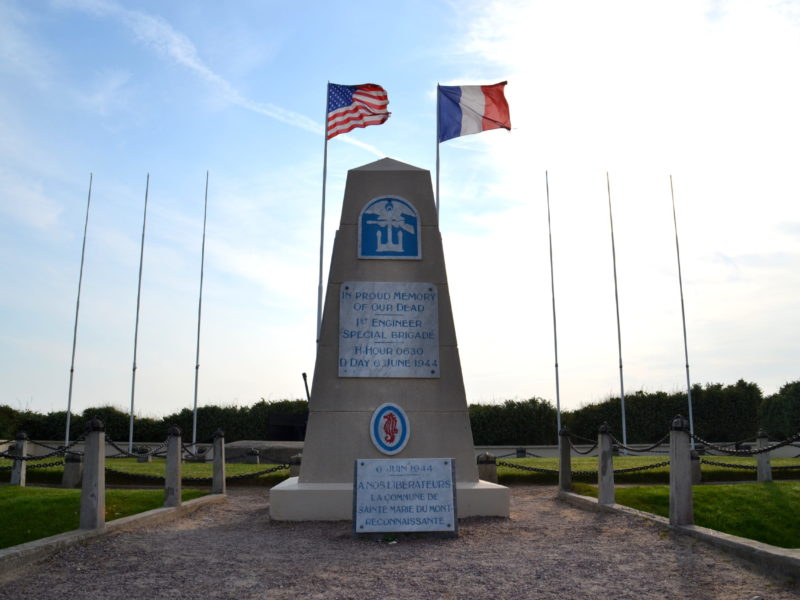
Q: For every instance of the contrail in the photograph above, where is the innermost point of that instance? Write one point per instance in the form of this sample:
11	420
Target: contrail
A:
158	35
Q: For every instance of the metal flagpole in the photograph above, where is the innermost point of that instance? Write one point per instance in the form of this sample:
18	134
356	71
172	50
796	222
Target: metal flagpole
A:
616	300
683	313
553	294
136	328
199	312
437	149
77	310
322	218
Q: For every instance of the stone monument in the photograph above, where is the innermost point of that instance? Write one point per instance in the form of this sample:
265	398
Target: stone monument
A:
387	381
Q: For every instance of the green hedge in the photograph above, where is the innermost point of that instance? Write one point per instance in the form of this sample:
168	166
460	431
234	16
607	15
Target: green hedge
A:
727	413
721	413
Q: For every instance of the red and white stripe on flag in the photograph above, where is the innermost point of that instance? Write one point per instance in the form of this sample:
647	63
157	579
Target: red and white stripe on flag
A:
351	106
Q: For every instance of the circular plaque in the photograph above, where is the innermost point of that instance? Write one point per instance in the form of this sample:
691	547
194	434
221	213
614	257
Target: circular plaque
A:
389	428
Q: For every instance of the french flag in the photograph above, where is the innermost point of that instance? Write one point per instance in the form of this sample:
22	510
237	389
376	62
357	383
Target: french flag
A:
466	109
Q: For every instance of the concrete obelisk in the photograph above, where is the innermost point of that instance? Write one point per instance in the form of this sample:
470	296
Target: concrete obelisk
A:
387	381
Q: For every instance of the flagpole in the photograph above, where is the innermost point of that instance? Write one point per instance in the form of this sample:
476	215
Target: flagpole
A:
77	310
437	150
683	313
136	328
616	300
322	217
199	311
553	295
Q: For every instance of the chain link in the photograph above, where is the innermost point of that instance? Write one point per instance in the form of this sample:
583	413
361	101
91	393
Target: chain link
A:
705	461
504	463
239	477
200	479
575	449
769	448
55	463
648	449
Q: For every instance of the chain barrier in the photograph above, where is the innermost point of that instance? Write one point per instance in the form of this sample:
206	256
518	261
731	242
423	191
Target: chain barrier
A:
575	449
705	461
11	456
185	448
769	448
514	454
504	463
238	477
648	449
786	467
160	478
122	453
55	463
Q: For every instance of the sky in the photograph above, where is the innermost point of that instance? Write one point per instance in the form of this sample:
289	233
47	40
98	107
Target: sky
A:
604	96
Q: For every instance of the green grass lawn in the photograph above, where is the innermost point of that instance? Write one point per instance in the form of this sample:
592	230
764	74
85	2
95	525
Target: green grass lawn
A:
509	475
30	513
506	475
766	512
52	475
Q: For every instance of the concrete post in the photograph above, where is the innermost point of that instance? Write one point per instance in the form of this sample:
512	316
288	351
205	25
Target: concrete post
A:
143	455
93	488
697	474
564	461
172	477
764	467
487	467
19	471
73	471
605	466
252	457
681	510
218	482
294	465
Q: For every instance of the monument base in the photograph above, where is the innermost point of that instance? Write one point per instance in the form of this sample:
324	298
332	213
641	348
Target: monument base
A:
291	500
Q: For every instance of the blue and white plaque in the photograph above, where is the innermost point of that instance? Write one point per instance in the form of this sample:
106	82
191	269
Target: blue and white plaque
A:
389	228
389	429
388	329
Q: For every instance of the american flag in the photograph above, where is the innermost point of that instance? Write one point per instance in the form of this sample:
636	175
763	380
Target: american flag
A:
351	106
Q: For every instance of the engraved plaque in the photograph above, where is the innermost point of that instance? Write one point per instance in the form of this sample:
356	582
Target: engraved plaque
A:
388	329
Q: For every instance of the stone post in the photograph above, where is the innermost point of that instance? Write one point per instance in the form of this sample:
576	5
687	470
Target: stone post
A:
172	477
143	454
764	468
19	471
93	488
252	457
681	510
487	467
73	471
564	461
697	474
605	466
218	482
294	465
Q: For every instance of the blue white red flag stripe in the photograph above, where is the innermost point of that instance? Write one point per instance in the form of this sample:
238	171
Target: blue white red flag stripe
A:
466	109
351	106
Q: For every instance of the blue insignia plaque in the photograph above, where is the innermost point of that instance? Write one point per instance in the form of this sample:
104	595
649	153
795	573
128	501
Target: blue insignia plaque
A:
389	228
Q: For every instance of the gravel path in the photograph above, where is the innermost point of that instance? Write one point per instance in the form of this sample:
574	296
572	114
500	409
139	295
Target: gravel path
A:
547	550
